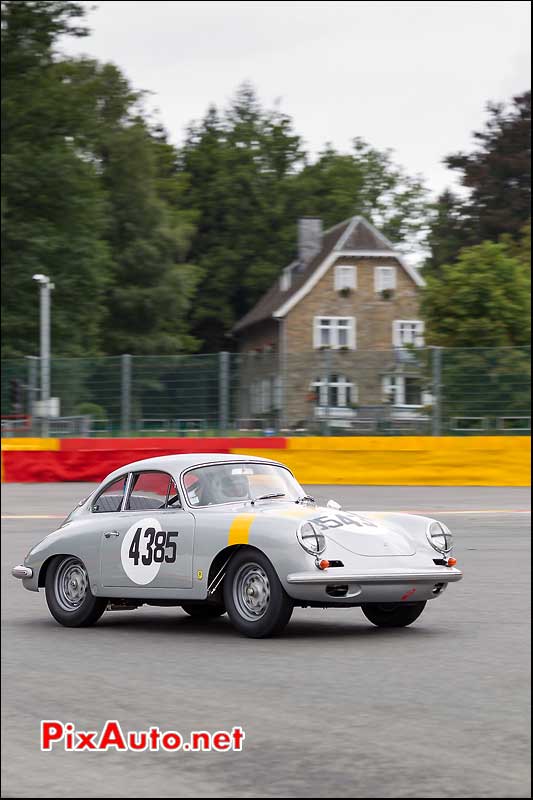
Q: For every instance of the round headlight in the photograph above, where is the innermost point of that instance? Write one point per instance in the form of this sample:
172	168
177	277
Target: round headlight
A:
439	537
311	540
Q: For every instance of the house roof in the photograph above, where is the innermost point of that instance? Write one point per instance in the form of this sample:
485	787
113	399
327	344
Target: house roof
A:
352	237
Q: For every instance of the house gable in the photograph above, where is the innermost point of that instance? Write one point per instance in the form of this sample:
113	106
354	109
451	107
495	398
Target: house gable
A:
359	240
352	238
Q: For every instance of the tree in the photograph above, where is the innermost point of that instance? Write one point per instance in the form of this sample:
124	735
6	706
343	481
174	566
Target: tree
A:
91	196
367	182
449	232
498	171
149	285
482	299
497	178
237	162
53	209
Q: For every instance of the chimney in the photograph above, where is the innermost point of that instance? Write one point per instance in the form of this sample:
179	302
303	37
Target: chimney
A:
309	239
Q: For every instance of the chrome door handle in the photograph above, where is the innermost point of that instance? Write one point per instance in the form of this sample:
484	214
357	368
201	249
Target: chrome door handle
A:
108	534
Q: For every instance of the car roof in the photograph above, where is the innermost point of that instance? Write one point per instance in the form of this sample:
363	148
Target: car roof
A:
176	464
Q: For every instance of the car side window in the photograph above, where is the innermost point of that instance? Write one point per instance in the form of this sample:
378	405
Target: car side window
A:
151	490
111	497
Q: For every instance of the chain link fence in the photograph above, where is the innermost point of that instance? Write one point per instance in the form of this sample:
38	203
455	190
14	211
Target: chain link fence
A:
424	391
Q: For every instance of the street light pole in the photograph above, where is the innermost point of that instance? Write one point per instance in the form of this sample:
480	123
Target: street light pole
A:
45	287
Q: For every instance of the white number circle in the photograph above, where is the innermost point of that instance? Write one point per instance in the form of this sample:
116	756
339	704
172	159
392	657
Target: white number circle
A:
141	573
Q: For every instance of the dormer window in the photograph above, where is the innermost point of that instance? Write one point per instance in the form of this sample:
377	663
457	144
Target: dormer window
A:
345	277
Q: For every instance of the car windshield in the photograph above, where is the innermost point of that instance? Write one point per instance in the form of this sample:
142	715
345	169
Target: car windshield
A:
240	482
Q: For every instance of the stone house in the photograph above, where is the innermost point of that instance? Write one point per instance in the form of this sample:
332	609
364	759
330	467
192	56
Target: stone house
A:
335	338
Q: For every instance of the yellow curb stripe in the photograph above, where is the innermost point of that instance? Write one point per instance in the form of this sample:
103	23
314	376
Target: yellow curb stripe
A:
240	529
30	443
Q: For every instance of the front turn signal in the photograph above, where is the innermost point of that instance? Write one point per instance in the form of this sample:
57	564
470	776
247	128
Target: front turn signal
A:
452	562
324	564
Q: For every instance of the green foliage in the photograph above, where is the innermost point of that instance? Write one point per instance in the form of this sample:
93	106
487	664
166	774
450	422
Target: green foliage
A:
449	232
481	300
497	177
236	164
488	383
90	196
53	211
367	182
498	171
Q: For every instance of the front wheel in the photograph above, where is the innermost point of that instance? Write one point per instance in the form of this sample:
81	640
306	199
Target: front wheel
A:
393	615
256	602
68	594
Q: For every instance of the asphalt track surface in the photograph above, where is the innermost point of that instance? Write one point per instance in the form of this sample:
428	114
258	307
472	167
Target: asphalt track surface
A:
333	708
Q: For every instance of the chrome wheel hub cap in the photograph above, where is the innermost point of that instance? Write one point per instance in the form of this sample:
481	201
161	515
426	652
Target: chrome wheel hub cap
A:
251	592
71	583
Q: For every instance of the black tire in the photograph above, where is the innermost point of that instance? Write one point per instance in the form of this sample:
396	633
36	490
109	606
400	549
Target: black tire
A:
251	579
204	610
393	615
78	608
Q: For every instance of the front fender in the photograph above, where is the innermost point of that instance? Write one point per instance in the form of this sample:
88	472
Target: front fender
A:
74	539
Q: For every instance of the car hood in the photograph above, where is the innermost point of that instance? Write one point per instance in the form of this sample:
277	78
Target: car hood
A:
364	534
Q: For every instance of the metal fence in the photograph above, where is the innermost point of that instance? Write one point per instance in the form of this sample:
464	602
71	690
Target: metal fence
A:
439	391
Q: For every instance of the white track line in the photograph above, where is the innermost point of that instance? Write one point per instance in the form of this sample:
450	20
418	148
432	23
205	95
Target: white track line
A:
423	512
32	516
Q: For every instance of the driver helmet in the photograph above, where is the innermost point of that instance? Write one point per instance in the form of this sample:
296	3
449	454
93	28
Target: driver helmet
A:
228	486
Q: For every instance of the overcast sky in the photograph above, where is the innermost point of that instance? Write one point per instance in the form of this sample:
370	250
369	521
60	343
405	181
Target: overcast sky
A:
412	76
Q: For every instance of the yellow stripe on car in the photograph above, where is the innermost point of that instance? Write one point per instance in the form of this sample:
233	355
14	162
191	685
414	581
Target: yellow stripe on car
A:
240	529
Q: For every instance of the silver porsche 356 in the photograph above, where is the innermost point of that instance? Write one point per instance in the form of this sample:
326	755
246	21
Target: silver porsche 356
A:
232	534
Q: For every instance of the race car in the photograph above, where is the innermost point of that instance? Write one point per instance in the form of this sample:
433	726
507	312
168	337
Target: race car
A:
234	534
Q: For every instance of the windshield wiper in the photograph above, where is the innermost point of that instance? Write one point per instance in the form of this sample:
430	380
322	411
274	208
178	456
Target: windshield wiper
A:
305	499
268	496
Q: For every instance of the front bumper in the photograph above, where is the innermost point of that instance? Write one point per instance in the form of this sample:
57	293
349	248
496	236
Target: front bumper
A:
21	572
380	586
449	575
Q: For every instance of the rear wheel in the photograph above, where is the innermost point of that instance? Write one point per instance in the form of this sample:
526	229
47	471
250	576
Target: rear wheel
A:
257	604
68	594
204	610
393	615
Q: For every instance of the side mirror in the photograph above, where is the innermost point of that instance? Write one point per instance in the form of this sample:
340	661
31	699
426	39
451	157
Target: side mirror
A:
334	504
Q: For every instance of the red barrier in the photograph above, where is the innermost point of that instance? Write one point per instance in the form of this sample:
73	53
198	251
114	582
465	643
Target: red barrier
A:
92	459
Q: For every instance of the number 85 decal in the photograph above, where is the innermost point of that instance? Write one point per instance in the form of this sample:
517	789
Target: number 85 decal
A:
160	546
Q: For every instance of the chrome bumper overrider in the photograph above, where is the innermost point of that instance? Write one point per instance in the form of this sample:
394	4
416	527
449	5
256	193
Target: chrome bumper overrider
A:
336	576
22	572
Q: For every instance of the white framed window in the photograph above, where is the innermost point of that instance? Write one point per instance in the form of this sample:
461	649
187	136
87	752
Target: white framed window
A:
403	390
408	332
335	391
345	277
334	332
384	278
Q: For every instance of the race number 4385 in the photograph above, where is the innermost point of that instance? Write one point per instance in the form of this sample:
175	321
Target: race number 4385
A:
145	547
160	546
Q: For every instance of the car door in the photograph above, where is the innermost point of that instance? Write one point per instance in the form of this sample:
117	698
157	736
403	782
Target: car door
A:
149	543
